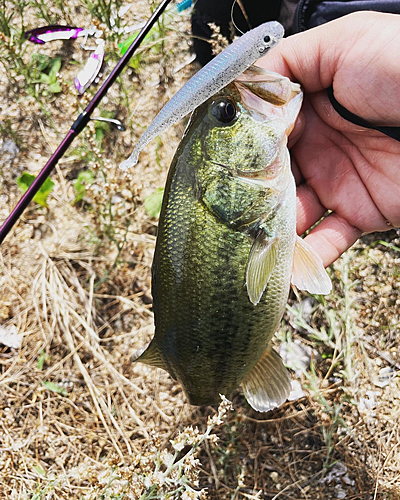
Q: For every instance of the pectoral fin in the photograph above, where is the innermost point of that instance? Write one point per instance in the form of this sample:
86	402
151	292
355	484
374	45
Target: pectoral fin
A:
308	270
267	386
261	263
149	355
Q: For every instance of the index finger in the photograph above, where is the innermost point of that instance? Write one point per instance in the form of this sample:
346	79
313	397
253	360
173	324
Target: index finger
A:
331	237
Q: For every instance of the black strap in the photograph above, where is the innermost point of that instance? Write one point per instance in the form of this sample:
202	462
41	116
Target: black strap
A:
393	132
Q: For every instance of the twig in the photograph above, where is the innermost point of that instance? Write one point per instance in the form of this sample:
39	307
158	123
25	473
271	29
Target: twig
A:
212	465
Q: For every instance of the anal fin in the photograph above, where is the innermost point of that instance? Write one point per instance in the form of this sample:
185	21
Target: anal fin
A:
267	386
308	270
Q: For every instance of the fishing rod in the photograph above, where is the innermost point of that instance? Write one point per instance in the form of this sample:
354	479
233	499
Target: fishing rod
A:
78	125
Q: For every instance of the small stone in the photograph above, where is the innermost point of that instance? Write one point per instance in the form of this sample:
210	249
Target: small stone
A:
385	376
274	476
296	392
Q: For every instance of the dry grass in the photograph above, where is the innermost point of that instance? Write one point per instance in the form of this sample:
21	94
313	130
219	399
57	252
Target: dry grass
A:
78	419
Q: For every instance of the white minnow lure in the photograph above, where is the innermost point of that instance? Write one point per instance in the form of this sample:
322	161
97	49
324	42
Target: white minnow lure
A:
214	76
92	68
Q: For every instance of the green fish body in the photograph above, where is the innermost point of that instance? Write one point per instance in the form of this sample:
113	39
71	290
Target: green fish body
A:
226	239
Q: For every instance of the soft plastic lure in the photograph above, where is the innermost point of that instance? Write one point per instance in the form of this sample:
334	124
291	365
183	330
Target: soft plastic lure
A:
57	32
215	75
92	68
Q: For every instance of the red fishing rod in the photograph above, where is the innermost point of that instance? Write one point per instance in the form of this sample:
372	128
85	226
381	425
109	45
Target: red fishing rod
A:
78	125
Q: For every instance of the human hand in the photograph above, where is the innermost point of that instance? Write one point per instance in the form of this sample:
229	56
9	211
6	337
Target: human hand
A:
352	171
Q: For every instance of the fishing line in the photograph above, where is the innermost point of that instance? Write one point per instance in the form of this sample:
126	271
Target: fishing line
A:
246	17
79	124
233	22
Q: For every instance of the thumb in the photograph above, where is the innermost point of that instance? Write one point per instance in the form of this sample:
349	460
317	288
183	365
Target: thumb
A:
355	54
314	56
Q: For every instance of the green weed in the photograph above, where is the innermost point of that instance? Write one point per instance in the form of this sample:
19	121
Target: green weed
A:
105	11
7	131
12	49
25	181
102	128
83	180
47	70
51	386
43	359
152	203
334	421
330	323
37	69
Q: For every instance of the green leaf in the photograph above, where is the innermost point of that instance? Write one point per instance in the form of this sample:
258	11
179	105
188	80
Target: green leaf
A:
43	358
55	68
124	46
102	127
42	61
44	78
83	180
134	62
388	245
26	179
55	88
152	203
99	136
39	470
51	386
150	37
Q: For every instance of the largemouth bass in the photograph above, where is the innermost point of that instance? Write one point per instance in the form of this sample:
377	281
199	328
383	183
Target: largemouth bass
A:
227	247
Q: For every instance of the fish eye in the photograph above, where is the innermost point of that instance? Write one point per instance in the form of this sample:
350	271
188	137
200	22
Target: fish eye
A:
224	110
267	39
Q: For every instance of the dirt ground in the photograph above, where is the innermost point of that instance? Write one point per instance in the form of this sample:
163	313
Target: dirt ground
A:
77	419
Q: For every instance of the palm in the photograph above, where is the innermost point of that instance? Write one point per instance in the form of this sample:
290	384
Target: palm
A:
343	168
